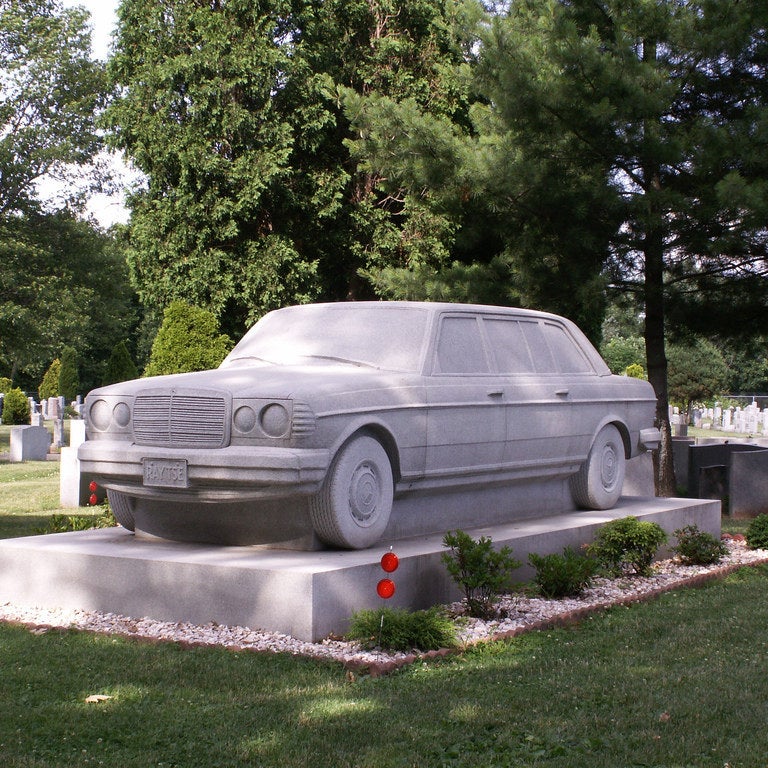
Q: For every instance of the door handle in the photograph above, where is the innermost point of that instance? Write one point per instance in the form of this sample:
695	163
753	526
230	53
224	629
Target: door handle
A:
495	392
561	392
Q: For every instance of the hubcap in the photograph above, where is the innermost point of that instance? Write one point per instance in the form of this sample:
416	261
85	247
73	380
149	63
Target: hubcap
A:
364	494
609	467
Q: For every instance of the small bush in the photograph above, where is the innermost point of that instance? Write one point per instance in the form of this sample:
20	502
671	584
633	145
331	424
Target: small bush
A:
188	340
481	571
59	523
399	630
5	384
565	575
627	546
15	407
757	533
695	547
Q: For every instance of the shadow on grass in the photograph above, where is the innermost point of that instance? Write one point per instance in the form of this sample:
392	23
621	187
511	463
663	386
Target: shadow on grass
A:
15	526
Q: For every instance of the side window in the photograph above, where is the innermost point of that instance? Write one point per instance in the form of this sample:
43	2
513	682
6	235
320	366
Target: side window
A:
460	347
567	354
508	346
542	357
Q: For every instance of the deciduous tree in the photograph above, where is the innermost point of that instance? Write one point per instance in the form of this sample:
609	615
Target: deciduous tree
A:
50	96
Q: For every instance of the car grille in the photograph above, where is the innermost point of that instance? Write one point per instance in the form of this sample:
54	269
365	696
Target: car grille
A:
180	421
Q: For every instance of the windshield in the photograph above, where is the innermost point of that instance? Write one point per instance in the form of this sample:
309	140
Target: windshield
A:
379	335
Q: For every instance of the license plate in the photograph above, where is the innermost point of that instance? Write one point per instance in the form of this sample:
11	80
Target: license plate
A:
165	473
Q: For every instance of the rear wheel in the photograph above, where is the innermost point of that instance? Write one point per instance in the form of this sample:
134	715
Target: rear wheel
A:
352	508
598	483
122	508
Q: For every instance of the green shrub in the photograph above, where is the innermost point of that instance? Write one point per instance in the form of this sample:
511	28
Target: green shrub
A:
188	340
481	571
49	386
757	533
565	575
399	630
120	366
69	378
627	545
5	385
695	547
15	407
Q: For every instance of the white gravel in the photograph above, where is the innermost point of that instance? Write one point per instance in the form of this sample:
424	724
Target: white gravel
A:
520	612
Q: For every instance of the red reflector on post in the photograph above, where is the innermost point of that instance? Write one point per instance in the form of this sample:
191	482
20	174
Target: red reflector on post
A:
385	588
389	562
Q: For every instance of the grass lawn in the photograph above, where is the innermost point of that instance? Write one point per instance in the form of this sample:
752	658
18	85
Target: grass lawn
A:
677	682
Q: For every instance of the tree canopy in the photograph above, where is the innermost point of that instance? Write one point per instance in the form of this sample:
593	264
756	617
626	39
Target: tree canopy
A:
232	111
622	147
51	94
62	281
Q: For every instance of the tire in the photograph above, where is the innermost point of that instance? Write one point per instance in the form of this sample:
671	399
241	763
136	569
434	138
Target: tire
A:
598	483
122	509
352	508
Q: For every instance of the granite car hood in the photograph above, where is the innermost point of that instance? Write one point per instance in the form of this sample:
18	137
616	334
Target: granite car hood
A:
266	380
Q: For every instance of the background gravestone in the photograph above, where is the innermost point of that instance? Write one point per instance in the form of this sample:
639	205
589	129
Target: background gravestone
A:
29	443
748	486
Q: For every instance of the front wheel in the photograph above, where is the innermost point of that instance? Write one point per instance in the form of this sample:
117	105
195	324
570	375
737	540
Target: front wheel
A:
122	509
352	508
598	483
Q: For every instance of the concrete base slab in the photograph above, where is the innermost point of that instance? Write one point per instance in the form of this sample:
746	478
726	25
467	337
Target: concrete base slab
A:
308	595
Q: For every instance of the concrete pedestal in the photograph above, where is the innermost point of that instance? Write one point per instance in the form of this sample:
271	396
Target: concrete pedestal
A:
308	595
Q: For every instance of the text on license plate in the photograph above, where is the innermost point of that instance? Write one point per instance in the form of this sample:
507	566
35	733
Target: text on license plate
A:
165	473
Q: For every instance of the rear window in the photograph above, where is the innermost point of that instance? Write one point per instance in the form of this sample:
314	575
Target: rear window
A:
567	354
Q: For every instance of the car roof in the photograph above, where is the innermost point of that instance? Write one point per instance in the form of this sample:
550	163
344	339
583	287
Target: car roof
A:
435	307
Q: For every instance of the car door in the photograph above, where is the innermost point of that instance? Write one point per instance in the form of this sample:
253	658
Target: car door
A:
534	394
466	428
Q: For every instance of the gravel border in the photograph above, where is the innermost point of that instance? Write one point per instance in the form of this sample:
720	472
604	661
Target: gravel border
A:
522	614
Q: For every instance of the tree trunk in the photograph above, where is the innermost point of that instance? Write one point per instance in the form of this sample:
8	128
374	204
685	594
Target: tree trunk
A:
664	469
655	351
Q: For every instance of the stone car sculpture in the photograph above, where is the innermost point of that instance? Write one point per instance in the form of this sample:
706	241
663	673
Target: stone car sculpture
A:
346	405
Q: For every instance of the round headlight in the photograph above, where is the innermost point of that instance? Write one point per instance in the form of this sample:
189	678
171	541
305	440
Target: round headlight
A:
245	419
101	415
274	420
122	414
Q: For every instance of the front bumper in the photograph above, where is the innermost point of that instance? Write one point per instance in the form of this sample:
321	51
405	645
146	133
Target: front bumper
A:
224	474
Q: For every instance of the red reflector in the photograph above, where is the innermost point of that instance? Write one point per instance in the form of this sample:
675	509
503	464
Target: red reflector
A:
385	588
389	562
